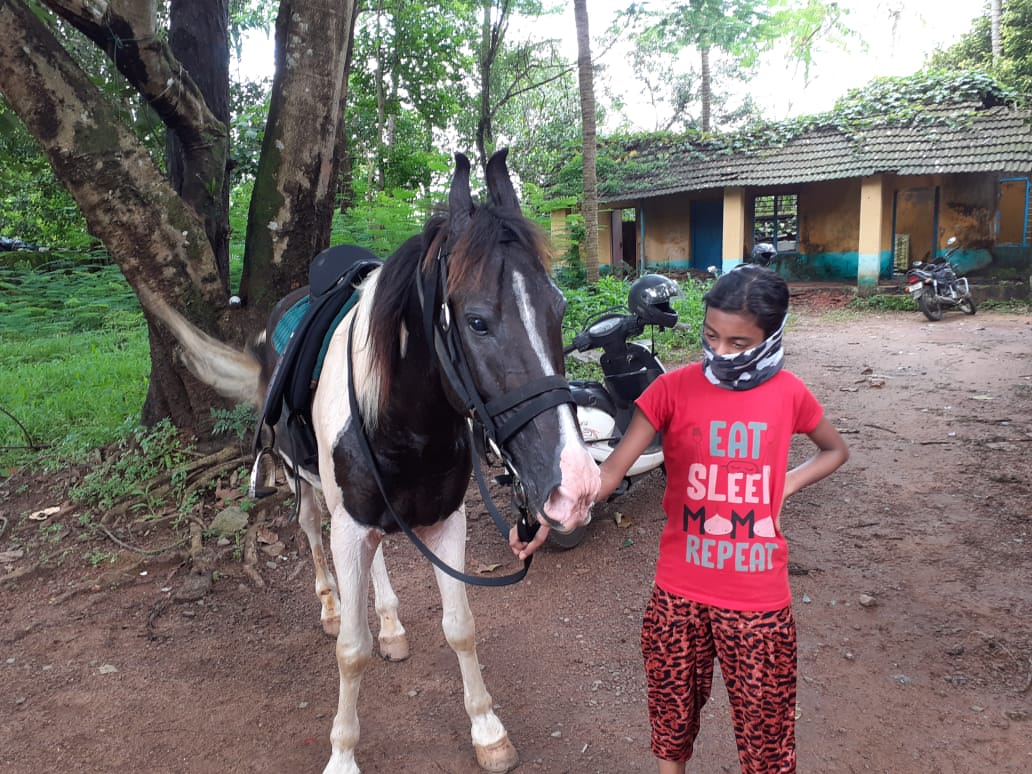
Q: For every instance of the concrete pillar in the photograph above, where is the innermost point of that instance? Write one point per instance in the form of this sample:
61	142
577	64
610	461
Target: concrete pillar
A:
733	247
870	246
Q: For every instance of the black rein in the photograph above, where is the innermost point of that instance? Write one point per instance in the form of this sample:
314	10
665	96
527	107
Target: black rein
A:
528	400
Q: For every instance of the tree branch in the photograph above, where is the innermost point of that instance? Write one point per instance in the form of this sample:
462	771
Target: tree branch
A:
125	32
149	230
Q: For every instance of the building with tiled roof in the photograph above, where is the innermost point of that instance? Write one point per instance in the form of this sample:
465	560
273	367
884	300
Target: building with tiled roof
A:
858	203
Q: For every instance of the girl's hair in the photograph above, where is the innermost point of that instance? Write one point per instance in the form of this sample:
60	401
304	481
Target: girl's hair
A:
754	290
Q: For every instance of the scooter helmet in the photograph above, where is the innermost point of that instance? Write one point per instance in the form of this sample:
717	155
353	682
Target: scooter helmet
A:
762	254
649	299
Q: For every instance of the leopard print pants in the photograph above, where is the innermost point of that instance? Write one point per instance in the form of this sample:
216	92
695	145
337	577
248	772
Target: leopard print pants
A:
757	652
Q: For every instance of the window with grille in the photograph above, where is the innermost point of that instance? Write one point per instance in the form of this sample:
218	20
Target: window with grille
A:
776	220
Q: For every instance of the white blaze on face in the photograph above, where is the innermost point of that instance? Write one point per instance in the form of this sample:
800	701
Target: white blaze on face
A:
570	502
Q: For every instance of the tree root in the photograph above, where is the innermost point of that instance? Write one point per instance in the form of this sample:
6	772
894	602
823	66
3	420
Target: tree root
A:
144	551
198	473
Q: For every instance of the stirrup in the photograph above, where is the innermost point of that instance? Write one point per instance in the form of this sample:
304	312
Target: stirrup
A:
253	490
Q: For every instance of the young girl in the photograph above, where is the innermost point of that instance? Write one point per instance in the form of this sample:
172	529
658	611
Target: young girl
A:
721	589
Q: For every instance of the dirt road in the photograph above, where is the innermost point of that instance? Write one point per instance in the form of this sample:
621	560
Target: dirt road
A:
912	577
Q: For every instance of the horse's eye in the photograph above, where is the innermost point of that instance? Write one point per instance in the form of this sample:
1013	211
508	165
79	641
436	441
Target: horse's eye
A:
477	324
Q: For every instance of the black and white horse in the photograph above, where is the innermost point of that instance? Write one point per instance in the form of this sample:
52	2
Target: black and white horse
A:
485	268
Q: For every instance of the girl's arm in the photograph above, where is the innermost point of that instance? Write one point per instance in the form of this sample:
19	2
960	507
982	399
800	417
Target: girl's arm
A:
831	453
637	438
639	435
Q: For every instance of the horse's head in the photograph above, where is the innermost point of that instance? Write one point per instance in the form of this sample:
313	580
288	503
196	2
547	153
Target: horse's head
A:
507	316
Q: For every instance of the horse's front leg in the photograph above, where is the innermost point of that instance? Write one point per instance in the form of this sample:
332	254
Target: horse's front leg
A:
495	752
310	518
393	640
353	549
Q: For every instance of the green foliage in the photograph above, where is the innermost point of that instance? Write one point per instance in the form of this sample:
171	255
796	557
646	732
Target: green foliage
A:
974	50
248	16
586	302
143	456
383	221
239	204
569	271
34	207
905	99
74	358
238	421
926	98
732	34
1015	68
899	302
95	557
407	83
249	110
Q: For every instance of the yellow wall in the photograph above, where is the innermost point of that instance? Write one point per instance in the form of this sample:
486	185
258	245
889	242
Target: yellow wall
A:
829	219
667	234
560	232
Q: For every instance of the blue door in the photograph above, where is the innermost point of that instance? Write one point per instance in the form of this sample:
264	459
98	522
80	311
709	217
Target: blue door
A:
706	219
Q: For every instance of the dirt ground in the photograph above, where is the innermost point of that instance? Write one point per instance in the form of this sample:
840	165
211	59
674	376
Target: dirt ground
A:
911	572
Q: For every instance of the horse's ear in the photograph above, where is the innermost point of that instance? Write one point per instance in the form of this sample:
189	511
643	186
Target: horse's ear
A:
460	200
499	186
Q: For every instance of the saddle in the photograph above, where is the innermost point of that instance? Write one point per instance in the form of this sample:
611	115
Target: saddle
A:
301	337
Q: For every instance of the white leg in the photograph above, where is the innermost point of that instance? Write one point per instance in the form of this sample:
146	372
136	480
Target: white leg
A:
353	549
310	519
495	752
393	642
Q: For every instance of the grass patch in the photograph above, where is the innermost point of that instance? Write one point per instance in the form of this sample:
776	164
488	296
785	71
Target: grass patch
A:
585	302
74	359
883	303
145	456
1012	305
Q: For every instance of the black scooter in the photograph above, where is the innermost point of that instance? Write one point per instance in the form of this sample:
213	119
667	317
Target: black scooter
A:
604	409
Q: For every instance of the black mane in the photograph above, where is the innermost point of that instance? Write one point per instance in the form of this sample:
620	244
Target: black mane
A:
396	294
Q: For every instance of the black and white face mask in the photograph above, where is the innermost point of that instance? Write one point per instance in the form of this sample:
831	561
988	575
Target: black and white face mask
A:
745	370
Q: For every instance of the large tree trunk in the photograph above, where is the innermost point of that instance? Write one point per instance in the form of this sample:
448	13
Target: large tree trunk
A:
294	193
489	43
198	34
158	238
587	99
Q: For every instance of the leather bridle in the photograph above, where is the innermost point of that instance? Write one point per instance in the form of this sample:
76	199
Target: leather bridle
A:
495	421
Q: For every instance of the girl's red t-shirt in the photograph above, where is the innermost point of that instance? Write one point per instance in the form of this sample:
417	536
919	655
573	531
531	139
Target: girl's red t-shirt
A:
726	455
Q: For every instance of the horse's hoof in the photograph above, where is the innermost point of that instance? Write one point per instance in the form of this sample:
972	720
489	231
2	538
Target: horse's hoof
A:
498	757
331	627
394	648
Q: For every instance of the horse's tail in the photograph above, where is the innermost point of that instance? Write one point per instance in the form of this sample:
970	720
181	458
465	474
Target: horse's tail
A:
230	372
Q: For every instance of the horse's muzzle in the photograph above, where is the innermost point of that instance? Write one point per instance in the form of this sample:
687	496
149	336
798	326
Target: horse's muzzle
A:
569	504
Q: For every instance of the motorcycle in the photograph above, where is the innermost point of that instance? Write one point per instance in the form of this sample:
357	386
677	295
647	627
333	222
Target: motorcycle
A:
604	409
935	286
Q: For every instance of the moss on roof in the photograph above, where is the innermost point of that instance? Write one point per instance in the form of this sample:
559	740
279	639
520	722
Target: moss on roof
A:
889	125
